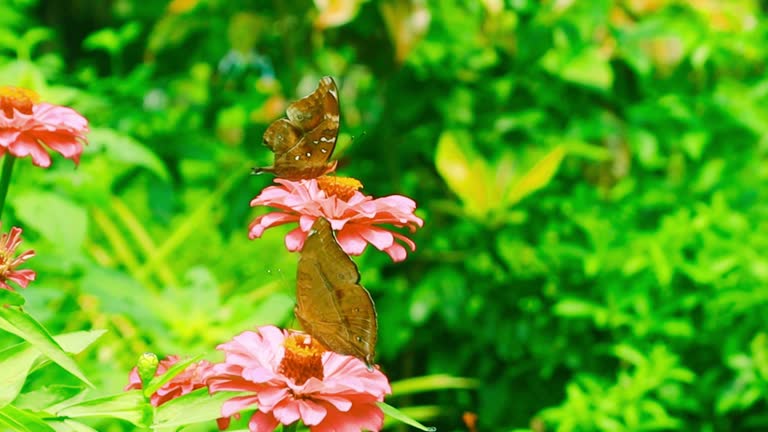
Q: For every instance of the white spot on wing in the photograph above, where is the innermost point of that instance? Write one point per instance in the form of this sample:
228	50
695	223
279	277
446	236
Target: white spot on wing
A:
297	157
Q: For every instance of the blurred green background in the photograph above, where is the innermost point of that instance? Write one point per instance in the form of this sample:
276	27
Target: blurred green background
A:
627	293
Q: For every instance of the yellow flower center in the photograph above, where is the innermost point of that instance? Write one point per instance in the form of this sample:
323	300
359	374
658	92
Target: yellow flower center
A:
342	187
6	259
19	98
302	359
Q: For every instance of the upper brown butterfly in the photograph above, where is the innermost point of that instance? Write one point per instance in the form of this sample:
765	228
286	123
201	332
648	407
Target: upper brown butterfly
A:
331	305
303	142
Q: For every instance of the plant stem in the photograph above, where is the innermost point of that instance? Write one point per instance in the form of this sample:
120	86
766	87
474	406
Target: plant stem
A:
5	179
291	427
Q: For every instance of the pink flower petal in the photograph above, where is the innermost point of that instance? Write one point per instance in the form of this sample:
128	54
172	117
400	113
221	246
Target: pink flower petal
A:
342	398
379	238
262	422
304	201
294	240
27	145
305	222
341	403
311	412
405	240
269	398
396	252
269	220
61	129
237	404
360	417
351	241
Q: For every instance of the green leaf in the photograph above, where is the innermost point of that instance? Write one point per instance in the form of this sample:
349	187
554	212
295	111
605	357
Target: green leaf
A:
47	397
61	221
537	177
125	150
106	39
174	370
398	415
432	383
195	407
71	426
22	420
588	68
574	308
8	297
463	171
26	327
15	363
76	342
129	406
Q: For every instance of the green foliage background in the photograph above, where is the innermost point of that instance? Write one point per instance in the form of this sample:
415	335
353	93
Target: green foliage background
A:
627	293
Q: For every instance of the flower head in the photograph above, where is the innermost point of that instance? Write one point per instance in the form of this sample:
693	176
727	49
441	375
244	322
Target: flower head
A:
192	378
26	125
291	377
355	217
8	272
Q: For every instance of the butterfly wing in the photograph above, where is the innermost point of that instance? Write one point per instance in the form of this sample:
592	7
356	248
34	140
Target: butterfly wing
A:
331	304
304	142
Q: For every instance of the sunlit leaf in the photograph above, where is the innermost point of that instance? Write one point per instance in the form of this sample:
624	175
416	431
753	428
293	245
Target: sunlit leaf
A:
104	39
124	149
537	177
129	406
76	342
22	421
60	220
23	325
398	415
432	383
575	308
12	298
15	363
407	21
172	371
463	170
334	13
70	426
197	406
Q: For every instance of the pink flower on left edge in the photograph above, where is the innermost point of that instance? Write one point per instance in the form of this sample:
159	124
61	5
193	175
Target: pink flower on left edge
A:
8	272
291	377
192	378
27	127
355	217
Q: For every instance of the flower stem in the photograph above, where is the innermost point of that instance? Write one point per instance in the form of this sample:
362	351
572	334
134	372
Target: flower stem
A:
291	427
5	179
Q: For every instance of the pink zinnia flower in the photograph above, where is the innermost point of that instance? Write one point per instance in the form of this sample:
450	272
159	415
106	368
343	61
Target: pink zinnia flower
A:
8	272
192	378
26	125
355	217
291	377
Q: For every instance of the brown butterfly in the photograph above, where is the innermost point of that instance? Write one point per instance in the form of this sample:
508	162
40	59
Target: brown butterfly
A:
331	305
303	142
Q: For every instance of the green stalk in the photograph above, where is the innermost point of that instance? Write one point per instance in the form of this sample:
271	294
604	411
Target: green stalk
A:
5	179
291	427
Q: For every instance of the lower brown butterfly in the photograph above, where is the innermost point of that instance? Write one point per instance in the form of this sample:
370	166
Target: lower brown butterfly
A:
331	305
